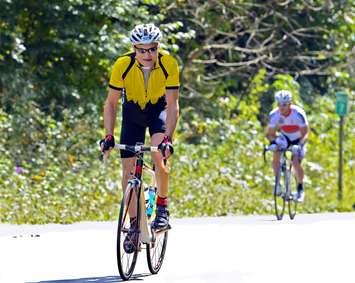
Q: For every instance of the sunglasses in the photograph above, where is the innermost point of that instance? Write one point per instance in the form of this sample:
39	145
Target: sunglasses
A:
146	50
283	104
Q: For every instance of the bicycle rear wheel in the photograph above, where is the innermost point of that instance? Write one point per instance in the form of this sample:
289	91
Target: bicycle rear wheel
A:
126	262
279	194
156	248
292	201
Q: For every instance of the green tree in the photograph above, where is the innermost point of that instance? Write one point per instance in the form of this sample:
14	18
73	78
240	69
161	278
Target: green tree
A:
58	53
309	40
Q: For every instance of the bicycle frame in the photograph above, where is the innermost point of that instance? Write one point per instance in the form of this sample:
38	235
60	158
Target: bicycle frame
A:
136	183
134	229
285	192
286	168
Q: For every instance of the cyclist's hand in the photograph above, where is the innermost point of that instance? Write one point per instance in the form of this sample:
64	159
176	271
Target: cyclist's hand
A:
296	149
272	146
107	143
281	142
166	147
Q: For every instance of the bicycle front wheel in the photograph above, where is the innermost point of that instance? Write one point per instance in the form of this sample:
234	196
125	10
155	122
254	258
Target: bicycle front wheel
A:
292	201
126	260
279	194
156	251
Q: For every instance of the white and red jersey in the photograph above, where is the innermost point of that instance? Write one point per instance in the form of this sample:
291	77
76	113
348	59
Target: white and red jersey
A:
289	125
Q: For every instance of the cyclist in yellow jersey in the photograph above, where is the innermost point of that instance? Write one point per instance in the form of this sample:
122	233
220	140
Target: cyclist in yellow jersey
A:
148	81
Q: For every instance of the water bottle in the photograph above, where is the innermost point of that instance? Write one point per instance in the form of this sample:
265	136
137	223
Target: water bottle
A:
151	200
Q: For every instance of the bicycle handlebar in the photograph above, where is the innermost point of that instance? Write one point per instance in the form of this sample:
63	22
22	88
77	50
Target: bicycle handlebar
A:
267	148
133	148
136	148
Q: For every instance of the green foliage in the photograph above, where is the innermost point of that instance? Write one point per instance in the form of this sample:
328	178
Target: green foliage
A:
58	53
63	181
58	176
309	41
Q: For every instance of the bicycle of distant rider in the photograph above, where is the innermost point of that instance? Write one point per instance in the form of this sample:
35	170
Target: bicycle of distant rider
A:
285	185
133	206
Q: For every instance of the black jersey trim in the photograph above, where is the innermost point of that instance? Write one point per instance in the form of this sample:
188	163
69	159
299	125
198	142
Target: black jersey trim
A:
115	87
162	66
133	57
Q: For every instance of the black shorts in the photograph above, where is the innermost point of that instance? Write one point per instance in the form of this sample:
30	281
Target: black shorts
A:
135	121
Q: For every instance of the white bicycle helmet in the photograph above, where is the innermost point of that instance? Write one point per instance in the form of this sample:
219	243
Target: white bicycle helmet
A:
283	96
145	34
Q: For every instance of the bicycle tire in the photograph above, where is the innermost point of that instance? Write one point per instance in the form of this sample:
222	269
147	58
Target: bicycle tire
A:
279	199
126	262
156	251
292	202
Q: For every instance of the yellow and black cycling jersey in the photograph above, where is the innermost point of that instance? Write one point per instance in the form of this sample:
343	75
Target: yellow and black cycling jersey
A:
127	74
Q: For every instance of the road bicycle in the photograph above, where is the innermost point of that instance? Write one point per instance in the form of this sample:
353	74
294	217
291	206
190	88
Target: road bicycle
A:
133	221
285	185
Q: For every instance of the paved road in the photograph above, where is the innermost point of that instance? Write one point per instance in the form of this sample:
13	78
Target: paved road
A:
248	249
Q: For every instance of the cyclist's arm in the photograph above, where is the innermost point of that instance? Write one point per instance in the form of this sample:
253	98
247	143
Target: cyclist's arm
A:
304	134
172	113
110	110
271	134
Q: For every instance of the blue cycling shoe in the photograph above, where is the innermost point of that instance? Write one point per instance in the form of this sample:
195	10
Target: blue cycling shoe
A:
161	221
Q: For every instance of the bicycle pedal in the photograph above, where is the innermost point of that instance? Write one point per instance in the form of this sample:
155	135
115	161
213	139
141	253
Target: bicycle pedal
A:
167	228
156	231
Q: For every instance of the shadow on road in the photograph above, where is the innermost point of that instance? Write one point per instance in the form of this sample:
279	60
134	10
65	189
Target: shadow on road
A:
105	279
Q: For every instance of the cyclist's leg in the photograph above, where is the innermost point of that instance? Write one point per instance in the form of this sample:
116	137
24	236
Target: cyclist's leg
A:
127	169
276	167
157	128
299	172
161	171
296	163
131	133
162	177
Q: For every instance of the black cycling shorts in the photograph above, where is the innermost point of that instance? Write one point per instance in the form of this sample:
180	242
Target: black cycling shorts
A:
135	121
